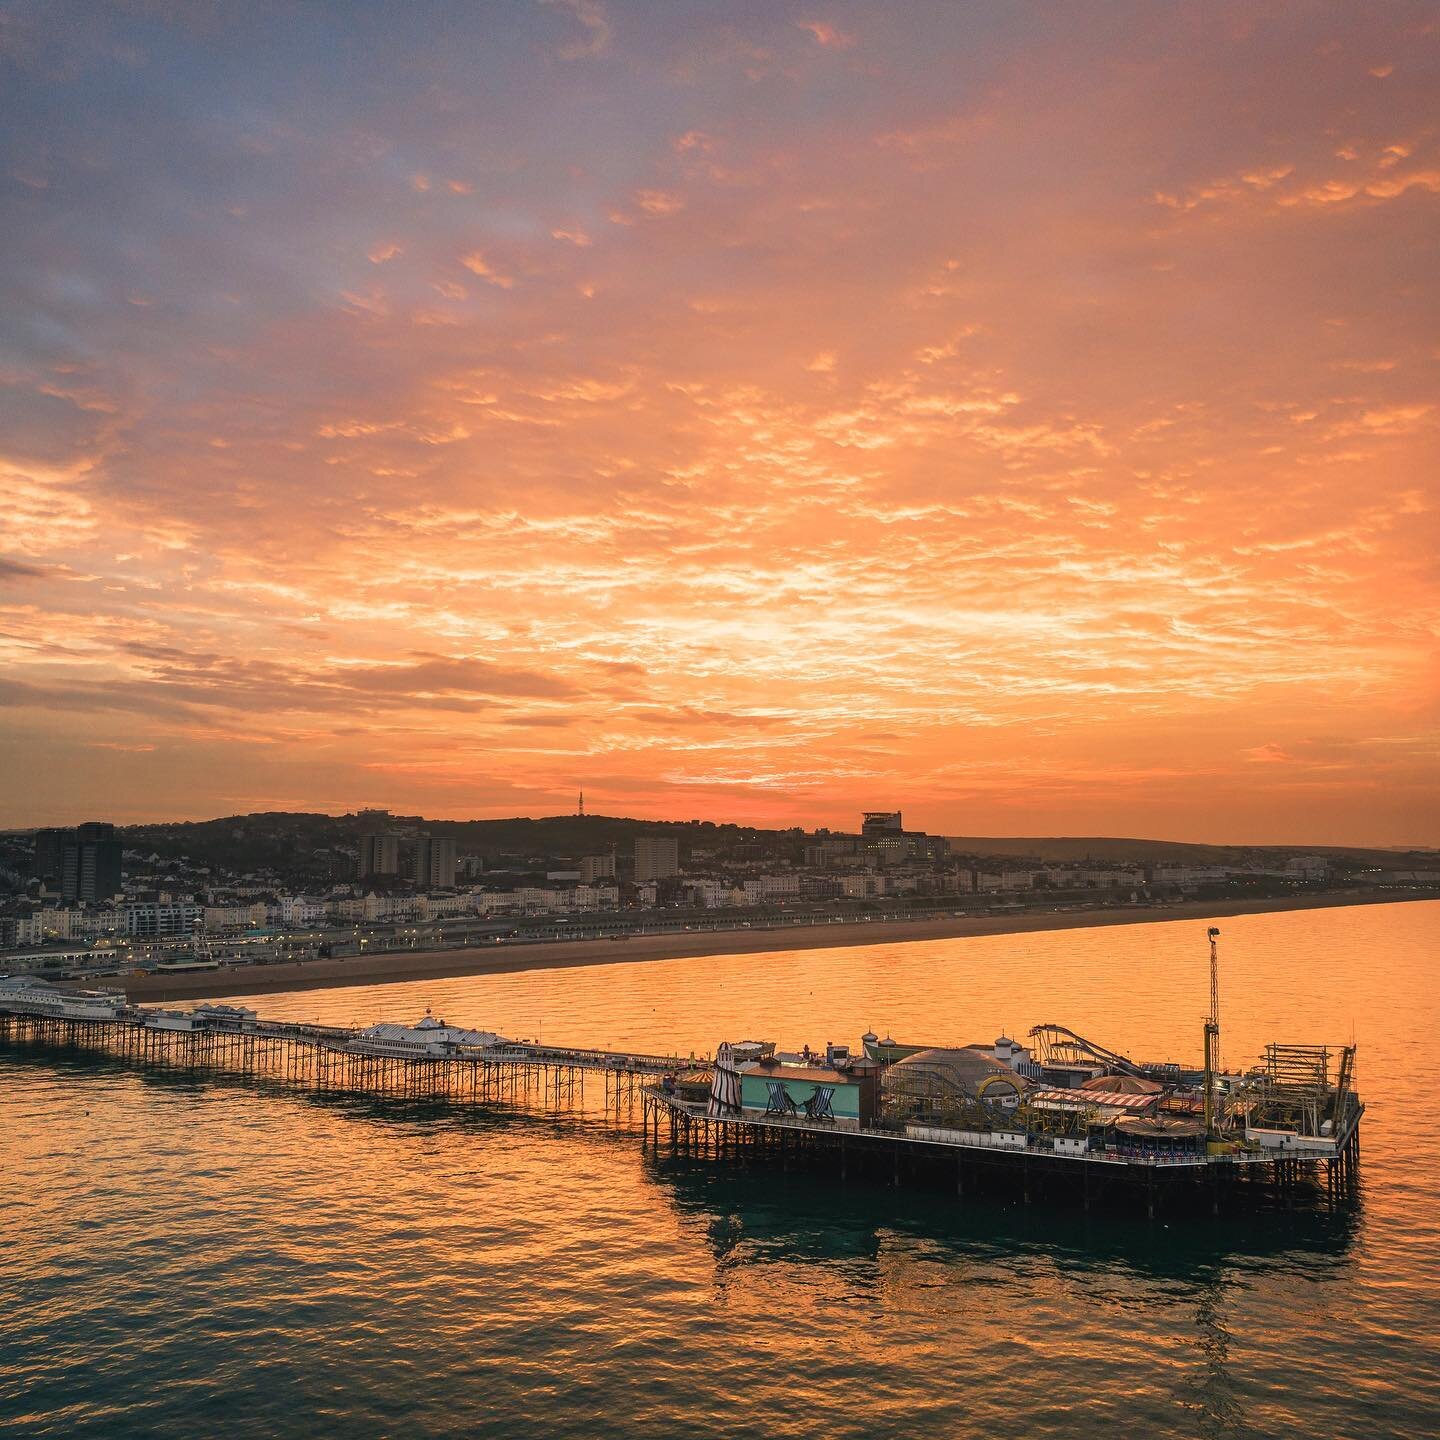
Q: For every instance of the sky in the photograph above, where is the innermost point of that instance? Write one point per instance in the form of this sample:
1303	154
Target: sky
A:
1023	416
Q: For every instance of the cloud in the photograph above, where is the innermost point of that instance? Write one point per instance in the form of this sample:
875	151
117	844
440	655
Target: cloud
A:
476	263
826	35
886	410
659	202
444	676
11	570
595	27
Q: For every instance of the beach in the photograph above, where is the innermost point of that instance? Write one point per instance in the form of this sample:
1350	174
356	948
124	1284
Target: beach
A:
403	965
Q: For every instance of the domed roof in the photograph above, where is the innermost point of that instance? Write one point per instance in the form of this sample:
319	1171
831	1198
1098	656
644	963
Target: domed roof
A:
1122	1085
1159	1127
957	1071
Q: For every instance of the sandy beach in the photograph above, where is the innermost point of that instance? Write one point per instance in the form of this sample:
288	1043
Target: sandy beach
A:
436	964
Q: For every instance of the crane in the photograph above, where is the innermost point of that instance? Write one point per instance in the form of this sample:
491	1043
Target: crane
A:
1212	1032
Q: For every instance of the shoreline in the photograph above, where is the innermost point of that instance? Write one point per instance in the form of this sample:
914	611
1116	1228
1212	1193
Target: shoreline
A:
398	966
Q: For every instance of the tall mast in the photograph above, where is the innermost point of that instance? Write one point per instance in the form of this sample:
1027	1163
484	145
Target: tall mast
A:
1212	1032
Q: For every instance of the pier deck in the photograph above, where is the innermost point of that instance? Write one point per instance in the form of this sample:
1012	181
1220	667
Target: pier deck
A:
1033	1165
336	1060
323	1057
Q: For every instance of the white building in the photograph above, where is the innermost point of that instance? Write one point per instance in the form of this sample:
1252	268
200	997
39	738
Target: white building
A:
300	910
713	894
148	920
771	889
220	918
597	867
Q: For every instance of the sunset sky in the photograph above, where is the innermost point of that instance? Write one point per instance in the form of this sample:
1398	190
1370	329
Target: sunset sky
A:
1025	416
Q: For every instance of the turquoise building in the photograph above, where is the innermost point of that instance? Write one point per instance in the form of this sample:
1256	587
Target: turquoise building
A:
801	1092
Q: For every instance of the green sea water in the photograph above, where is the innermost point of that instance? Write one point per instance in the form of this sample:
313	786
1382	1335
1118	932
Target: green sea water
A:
197	1258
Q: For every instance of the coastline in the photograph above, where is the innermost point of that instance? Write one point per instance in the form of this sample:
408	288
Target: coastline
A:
397	966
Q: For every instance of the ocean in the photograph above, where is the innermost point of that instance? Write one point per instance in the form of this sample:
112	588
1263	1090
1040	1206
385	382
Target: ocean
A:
210	1258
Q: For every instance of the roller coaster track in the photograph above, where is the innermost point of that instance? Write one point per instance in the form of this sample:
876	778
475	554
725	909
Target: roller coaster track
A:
1058	1044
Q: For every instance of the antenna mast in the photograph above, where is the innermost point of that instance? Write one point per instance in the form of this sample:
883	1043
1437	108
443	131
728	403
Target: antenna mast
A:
1212	1032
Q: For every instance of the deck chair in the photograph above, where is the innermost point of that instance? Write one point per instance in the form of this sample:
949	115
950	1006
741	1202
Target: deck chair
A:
818	1107
780	1102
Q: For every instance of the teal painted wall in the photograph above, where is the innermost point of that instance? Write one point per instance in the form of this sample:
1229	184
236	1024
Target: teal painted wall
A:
755	1093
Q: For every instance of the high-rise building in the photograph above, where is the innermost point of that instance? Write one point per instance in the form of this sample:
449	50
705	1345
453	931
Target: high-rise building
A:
597	867
378	855
50	852
433	863
656	857
90	862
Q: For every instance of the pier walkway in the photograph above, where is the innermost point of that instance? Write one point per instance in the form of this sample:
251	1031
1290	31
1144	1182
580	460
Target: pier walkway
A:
338	1059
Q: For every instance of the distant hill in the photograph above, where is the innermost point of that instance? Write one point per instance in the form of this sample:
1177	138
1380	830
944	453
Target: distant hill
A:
291	840
286	838
1109	848
1092	847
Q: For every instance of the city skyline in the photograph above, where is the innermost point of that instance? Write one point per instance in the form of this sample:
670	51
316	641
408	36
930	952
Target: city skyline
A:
1025	418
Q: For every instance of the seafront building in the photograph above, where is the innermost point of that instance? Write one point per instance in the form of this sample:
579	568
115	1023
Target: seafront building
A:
402	887
657	857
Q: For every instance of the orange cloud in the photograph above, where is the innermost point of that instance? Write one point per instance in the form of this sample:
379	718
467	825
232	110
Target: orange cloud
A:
945	446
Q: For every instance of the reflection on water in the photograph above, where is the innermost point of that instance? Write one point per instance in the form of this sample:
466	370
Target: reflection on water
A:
237	1259
761	1217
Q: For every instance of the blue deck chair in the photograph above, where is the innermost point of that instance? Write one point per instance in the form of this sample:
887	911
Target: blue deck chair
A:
818	1107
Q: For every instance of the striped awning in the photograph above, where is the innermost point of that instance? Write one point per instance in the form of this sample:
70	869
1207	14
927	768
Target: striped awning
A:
1090	1100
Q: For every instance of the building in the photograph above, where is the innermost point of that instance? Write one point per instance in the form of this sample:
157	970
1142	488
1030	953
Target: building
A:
378	855
712	894
433	863
297	910
886	841
771	889
50	853
234	917
90	867
656	857
146	921
882	822
597	867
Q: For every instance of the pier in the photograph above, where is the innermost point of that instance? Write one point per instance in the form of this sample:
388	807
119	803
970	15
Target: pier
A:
1062	1117
336	1059
1023	1166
